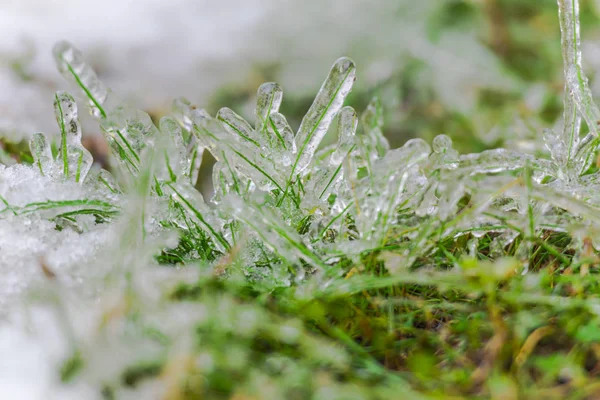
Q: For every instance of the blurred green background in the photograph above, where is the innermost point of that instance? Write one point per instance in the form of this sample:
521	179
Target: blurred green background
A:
487	73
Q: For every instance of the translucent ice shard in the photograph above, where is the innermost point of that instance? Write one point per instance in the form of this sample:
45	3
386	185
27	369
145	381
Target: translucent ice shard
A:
194	155
71	64
492	161
373	144
268	100
42	154
575	80
176	159
282	130
387	187
73	161
225	180
275	135
327	103
127	130
107	180
237	125
327	173
346	135
207	130
76	161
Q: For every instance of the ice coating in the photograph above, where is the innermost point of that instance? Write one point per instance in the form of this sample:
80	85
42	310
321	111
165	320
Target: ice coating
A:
576	83
326	105
268	100
75	159
71	64
372	144
282	130
236	125
285	211
176	158
347	124
42	154
127	130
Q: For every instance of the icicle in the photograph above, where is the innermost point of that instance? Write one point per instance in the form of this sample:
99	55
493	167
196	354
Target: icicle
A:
374	144
183	110
75	159
107	180
176	160
576	81
274	232
237	126
194	157
327	173
42	154
346	135
390	176
282	130
207	130
492	161
275	135
71	64
327	103
127	130
268	100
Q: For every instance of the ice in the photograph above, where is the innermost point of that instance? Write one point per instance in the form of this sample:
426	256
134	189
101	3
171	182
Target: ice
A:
75	159
280	125
71	64
42	154
176	158
373	143
328	102
285	211
268	100
277	138
347	124
128	131
236	125
576	83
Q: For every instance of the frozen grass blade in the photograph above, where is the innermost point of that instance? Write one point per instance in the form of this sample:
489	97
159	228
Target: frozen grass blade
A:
268	101
42	154
75	159
328	102
576	81
236	125
71	64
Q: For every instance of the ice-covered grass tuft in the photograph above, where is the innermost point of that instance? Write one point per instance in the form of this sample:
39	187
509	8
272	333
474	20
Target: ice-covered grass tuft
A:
344	271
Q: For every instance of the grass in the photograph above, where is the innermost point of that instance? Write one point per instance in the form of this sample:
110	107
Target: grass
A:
345	272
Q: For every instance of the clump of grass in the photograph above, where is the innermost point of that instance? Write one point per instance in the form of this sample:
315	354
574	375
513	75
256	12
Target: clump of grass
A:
347	271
